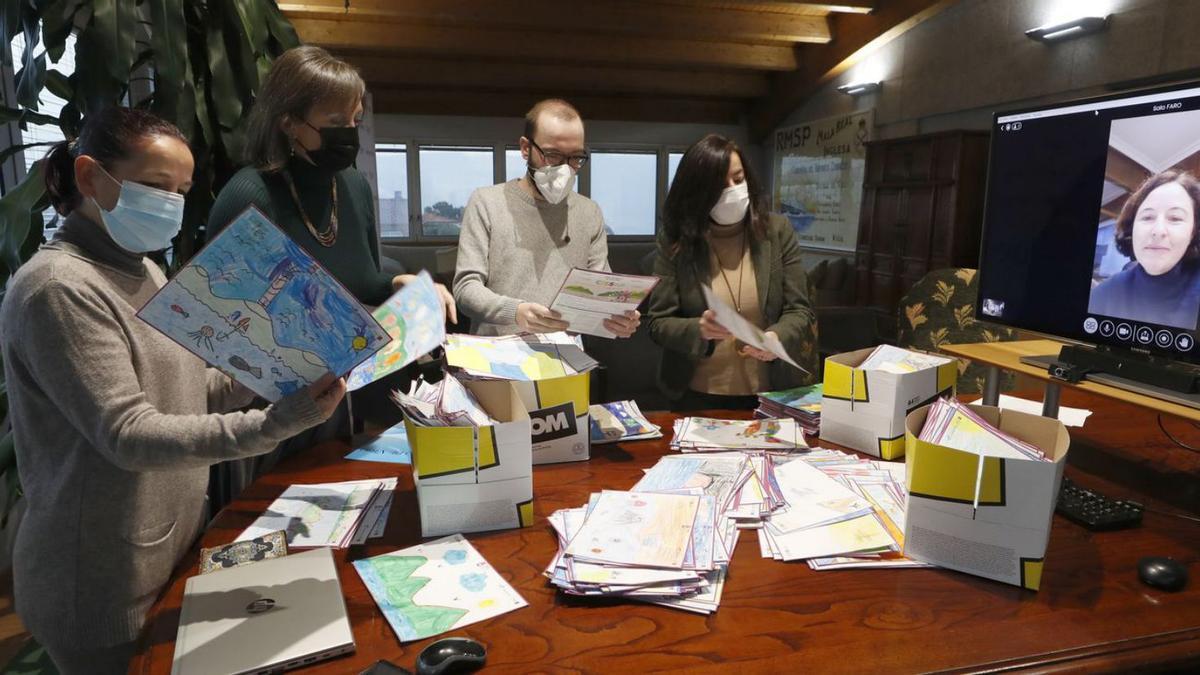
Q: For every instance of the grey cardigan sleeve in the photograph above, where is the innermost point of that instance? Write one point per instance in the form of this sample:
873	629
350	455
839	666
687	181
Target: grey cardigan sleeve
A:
471	293
90	377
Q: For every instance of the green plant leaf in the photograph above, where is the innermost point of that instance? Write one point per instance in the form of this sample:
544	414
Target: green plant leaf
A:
58	20
168	40
10	24
114	22
15	208
281	29
225	98
59	85
30	82
14	149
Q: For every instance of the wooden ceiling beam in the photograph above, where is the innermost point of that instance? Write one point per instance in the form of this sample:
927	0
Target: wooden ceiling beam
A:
560	23
591	107
796	7
488	76
857	35
393	38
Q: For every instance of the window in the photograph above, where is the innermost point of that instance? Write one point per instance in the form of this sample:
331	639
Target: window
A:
624	184
514	164
49	105
391	168
448	177
673	159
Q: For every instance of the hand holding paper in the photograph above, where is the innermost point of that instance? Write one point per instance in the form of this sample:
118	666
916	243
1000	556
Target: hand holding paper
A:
740	328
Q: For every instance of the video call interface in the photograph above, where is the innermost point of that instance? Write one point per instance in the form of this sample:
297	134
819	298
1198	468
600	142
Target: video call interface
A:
1090	228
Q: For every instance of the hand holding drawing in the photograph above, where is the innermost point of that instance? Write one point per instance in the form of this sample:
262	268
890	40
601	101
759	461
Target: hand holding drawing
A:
400	280
761	354
537	318
327	393
710	329
624	325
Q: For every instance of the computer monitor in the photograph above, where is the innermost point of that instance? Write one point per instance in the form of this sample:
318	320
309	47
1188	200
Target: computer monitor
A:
1092	222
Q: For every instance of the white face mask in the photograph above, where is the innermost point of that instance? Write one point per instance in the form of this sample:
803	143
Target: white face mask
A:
145	219
731	205
554	182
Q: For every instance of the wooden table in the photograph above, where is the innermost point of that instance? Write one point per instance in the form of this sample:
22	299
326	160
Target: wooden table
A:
1091	614
1007	356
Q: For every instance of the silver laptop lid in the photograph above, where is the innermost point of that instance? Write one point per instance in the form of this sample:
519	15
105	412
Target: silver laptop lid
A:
264	617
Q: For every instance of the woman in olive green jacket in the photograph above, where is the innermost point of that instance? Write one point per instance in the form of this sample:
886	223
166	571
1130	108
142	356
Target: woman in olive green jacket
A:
716	232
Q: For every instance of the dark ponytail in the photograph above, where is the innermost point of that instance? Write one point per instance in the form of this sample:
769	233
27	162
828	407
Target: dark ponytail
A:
107	136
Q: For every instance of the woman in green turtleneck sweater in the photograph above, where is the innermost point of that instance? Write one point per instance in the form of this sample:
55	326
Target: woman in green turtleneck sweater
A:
301	144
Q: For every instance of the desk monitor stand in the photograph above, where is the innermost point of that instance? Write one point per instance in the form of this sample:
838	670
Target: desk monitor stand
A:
1189	400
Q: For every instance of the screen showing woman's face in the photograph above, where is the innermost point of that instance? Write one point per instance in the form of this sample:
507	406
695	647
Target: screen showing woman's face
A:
1162	228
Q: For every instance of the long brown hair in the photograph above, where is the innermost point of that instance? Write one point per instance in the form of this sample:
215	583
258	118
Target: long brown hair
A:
299	79
698	184
108	136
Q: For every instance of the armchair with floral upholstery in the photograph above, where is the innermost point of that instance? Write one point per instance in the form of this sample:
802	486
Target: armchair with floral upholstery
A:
940	309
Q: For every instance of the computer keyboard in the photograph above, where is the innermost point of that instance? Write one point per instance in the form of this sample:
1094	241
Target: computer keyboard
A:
1096	511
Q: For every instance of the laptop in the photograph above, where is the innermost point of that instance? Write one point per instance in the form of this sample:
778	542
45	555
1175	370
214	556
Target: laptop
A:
263	618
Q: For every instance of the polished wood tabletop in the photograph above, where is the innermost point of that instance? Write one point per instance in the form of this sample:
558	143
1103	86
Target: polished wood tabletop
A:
1091	614
1007	356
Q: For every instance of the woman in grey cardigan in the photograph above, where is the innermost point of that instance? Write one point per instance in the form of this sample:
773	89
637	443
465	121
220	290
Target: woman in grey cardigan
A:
716	232
115	425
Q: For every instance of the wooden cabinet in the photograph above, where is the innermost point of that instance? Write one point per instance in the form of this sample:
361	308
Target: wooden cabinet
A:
922	209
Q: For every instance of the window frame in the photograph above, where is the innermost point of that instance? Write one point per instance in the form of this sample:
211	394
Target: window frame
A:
413	146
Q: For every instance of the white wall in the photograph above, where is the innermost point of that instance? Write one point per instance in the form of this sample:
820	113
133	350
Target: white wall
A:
955	69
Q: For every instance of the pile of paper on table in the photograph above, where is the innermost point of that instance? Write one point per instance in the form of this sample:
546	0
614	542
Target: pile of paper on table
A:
327	514
706	434
471	455
620	421
840	512
868	393
802	404
550	373
982	487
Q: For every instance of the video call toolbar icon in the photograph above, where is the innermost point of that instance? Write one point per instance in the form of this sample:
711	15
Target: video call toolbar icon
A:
1164	338
1090	325
1145	335
1107	327
1184	342
1124	331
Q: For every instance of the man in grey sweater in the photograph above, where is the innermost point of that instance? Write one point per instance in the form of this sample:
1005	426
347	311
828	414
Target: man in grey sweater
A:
520	239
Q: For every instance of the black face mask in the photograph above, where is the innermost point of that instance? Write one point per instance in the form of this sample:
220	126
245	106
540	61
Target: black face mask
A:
339	148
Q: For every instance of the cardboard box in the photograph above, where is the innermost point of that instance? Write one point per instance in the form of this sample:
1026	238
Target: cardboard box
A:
1005	538
472	479
865	409
560	422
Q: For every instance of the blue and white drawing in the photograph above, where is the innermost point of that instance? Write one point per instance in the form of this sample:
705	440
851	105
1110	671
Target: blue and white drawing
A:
257	306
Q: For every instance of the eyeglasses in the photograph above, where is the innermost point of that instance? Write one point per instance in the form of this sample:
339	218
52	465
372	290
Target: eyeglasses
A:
556	158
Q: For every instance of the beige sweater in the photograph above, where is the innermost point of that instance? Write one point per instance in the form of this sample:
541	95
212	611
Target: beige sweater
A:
114	437
726	371
516	249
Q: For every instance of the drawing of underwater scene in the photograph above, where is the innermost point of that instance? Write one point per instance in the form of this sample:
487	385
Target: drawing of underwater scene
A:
255	305
416	321
435	587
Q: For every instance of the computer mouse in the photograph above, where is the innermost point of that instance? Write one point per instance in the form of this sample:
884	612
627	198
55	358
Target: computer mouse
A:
451	655
1167	574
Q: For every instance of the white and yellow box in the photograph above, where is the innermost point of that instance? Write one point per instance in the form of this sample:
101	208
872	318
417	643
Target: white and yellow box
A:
473	479
559	420
865	409
554	391
1005	536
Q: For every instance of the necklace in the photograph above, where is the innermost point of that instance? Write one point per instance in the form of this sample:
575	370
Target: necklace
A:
737	299
327	237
